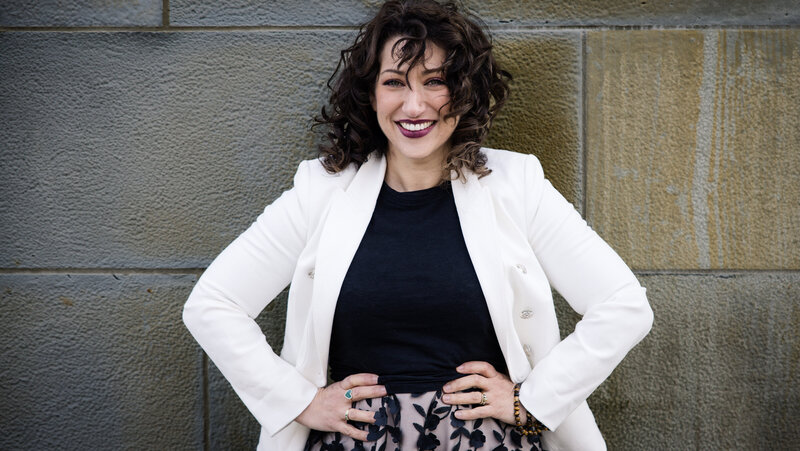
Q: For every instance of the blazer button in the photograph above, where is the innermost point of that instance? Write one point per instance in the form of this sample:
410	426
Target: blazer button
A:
522	268
311	274
525	314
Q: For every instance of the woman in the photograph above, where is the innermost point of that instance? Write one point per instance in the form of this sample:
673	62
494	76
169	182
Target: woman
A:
420	267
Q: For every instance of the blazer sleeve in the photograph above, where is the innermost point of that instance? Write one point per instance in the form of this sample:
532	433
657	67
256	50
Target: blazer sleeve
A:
234	289
597	284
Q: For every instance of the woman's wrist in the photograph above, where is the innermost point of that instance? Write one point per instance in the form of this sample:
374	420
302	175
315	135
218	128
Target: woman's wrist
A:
524	422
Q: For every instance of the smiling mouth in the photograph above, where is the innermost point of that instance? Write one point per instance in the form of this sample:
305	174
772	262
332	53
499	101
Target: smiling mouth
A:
415	126
415	129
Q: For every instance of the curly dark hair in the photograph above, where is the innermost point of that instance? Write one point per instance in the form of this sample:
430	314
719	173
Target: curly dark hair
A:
478	87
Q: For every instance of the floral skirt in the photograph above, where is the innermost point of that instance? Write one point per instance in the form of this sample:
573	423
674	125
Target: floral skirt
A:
406	421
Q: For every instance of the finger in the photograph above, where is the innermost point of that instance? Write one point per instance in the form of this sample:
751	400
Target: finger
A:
368	391
354	380
353	432
463	383
477	367
362	416
473	397
473	414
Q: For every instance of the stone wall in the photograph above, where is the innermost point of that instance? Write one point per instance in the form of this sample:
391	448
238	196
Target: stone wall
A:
138	138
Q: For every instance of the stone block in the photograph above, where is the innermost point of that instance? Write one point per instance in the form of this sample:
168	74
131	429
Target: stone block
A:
692	145
151	149
510	13
243	12
542	114
231	425
80	13
567	318
98	362
719	370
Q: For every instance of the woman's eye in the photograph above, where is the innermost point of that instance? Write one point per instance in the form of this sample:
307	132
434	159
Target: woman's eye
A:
392	83
436	81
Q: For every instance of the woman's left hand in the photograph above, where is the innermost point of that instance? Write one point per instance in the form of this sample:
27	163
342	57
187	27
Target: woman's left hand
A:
497	387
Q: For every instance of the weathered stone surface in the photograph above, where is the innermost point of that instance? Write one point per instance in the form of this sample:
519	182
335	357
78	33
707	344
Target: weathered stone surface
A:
243	12
692	145
636	12
231	425
80	13
719	370
496	12
98	362
150	149
542	115
567	318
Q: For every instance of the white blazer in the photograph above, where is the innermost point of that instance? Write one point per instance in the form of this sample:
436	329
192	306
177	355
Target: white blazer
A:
522	236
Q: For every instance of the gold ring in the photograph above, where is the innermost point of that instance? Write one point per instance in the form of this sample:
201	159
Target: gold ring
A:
483	398
347	415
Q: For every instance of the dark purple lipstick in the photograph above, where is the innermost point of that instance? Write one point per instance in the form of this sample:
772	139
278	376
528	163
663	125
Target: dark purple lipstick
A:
415	133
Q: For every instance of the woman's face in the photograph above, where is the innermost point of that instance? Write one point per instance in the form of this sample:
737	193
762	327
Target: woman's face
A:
411	114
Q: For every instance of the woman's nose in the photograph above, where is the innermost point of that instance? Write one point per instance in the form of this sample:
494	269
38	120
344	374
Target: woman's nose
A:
414	104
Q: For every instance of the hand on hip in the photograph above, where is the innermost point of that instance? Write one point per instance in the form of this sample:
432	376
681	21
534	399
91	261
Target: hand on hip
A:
331	408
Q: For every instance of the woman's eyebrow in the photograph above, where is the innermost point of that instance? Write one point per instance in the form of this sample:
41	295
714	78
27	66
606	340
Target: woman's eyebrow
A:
424	72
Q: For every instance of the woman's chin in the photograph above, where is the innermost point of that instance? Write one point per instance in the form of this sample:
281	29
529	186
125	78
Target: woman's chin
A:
417	154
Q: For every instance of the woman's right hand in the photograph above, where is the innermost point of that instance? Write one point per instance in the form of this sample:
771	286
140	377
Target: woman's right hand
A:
327	410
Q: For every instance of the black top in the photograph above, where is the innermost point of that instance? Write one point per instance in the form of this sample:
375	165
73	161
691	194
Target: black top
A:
411	309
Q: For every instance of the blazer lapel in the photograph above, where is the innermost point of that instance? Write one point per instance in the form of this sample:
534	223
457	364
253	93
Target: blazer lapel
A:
476	213
347	220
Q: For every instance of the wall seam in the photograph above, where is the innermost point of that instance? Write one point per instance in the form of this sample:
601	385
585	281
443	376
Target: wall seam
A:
172	29
713	272
524	29
165	13
103	271
206	406
584	154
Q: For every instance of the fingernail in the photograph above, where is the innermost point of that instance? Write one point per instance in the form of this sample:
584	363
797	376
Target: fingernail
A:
446	388
459	367
457	414
446	398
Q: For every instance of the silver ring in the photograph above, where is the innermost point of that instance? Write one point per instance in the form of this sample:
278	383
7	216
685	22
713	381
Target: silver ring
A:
348	394
347	415
483	398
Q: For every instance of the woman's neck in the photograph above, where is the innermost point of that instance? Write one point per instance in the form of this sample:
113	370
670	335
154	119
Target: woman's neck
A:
404	174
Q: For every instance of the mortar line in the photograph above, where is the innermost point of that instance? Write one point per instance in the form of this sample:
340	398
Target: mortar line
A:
174	29
711	272
582	127
605	27
206	406
98	271
165	13
504	28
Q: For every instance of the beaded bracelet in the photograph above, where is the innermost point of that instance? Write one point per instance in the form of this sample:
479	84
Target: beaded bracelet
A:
532	426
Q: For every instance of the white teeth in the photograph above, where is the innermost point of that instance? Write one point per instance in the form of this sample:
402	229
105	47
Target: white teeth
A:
416	127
